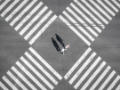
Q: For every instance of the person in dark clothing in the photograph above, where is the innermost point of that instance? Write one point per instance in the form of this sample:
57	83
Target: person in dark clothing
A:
60	40
56	45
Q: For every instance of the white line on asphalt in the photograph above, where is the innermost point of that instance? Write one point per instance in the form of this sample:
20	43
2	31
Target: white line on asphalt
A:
117	4
23	78
113	83
100	78
111	5
4	4
93	75
33	20
87	73
74	30
118	87
42	30
81	21
77	63
16	10
16	80
101	10
30	76
23	12
82	68
28	16
3	86
37	73
45	63
91	15
9	8
95	11
41	68
38	25
105	6
9	83
78	26
107	80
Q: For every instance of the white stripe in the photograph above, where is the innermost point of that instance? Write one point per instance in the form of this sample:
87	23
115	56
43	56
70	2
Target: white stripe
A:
87	73
77	63
118	88
4	4
113	83
33	20
82	68
91	15
23	12
42	30
74	30
28	16
9	8
100	78
23	78
100	9
117	4
16	80
37	25
16	10
93	76
107	80
97	13
78	26
81	21
45	63
105	6
3	86
111	5
30	76
41	68
37	73
9	83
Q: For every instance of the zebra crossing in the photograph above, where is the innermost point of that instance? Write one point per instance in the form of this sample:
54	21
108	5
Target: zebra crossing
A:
33	61
75	17
32	25
84	77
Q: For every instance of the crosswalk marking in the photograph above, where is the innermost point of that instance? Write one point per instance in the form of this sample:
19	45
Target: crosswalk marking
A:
37	73
77	63
16	10
41	68
3	86
28	16
45	63
9	8
87	73
107	80
82	68
105	6
74	30
116	3
118	88
78	26
42	30
9	83
33	20
101	10
111	5
100	78
16	80
30	76
23	78
113	83
93	76
4	4
23	12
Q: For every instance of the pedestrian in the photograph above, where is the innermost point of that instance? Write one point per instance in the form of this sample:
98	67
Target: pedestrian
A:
64	49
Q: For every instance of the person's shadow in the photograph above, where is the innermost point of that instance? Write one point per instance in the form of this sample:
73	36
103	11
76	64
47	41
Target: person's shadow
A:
55	44
60	40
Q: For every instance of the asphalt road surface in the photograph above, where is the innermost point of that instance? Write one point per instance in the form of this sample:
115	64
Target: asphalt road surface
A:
30	51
